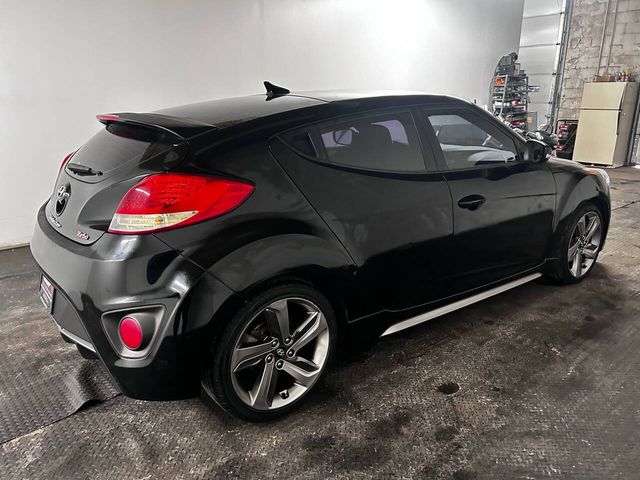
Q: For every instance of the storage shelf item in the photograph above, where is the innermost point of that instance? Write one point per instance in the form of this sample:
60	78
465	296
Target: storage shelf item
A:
509	96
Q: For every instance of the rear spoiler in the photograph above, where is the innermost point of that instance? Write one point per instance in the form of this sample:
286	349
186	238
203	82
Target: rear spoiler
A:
180	128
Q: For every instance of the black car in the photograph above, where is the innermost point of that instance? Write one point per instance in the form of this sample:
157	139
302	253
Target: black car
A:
230	244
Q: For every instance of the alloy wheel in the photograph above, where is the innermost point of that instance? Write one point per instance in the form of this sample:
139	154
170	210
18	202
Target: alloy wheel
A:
584	244
280	353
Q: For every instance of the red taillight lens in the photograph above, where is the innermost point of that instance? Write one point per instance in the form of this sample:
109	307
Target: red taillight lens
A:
66	159
169	200
130	333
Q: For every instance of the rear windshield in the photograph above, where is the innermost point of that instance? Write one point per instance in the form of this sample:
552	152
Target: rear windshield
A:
116	145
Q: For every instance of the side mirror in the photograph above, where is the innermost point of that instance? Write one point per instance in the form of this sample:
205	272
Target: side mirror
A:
536	151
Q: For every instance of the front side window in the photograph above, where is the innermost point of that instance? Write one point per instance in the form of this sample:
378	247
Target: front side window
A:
468	142
387	142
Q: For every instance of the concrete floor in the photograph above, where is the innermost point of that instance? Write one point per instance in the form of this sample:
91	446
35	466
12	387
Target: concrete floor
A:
548	387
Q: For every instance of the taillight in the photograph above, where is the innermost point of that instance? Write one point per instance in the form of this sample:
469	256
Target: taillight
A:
169	200
66	159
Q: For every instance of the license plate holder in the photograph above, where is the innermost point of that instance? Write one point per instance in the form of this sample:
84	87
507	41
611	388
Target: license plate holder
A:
47	293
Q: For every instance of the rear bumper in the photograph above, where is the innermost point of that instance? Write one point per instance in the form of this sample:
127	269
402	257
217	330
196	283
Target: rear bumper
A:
124	273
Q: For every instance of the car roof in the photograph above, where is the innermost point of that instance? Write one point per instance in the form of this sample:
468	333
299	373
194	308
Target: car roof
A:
346	95
233	111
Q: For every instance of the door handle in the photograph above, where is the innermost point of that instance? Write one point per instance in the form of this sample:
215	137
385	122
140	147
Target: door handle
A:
471	202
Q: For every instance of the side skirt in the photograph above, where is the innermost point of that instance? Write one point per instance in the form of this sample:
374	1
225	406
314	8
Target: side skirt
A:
424	317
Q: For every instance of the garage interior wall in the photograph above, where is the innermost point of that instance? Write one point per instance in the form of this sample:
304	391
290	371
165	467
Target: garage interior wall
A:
620	49
63	62
539	48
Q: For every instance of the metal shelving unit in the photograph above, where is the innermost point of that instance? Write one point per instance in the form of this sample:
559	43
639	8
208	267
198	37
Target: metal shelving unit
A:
509	97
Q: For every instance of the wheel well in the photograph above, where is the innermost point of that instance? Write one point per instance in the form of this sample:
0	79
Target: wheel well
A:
598	202
315	277
604	210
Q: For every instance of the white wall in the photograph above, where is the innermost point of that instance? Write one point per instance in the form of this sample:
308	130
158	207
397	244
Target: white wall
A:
63	61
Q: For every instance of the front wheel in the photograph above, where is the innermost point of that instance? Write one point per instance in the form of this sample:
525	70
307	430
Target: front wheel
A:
273	352
579	245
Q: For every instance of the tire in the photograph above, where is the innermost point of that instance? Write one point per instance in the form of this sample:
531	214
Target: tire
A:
563	271
253	360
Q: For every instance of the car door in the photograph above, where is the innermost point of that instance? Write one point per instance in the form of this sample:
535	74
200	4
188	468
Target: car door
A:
366	176
503	206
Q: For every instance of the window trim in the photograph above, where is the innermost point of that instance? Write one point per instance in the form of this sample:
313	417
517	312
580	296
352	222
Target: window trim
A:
426	111
300	131
429	161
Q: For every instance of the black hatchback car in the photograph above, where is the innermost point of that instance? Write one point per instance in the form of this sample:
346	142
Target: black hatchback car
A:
230	244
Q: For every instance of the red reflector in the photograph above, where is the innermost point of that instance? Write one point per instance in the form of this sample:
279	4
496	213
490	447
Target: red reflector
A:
66	159
130	333
169	200
107	117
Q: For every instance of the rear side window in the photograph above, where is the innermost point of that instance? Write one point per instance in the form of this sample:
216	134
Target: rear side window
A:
386	142
468	141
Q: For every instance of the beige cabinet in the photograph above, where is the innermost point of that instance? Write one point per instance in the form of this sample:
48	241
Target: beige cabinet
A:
606	122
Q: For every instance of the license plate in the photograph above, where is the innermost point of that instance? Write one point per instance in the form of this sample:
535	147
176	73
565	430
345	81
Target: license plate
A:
46	292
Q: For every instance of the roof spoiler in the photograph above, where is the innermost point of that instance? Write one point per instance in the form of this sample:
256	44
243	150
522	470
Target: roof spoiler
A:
176	127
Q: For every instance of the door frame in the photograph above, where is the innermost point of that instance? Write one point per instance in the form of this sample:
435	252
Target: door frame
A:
426	149
422	112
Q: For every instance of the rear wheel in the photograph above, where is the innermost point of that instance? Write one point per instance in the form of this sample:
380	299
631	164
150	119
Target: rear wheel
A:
579	245
273	353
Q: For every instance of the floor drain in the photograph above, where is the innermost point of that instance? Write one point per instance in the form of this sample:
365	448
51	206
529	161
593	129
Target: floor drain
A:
449	388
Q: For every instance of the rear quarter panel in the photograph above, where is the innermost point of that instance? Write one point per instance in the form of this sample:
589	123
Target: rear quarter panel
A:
274	233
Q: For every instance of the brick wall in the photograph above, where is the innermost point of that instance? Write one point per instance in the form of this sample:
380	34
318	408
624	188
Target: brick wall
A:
581	63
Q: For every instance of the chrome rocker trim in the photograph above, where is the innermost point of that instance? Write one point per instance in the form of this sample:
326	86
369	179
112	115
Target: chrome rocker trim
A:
424	317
